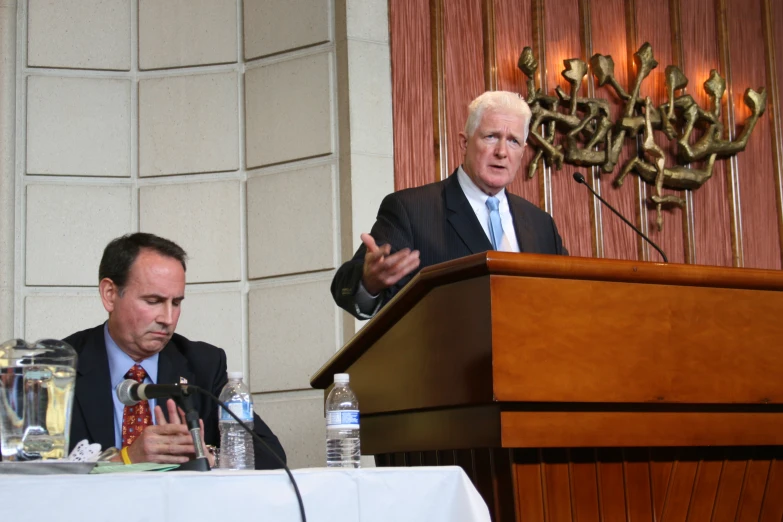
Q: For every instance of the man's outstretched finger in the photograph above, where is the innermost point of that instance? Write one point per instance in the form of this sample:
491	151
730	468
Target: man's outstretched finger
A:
369	242
160	419
174	417
397	257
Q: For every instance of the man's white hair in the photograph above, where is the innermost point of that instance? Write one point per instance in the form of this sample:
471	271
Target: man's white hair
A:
497	101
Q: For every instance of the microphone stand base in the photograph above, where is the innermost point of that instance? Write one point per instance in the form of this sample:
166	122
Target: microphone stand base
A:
194	465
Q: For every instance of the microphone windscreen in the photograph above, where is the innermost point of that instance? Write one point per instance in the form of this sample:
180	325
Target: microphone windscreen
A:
124	392
578	177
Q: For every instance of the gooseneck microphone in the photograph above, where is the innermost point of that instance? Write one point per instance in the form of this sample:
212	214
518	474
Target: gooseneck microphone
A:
130	392
581	179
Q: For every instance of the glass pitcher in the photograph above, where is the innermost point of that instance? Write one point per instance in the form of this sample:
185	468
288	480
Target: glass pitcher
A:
36	396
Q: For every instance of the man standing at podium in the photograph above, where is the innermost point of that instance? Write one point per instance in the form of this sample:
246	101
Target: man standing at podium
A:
467	213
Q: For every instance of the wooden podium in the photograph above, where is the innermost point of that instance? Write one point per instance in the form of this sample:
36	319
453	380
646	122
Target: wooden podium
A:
581	389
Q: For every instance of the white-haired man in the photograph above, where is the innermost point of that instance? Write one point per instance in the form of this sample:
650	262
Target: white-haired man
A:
467	213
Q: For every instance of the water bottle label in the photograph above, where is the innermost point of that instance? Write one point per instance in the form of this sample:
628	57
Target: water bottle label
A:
342	420
243	410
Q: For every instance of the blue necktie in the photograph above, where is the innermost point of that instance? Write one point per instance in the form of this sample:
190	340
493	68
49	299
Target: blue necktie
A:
495	226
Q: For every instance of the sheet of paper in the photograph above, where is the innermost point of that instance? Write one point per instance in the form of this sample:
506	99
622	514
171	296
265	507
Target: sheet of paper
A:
113	467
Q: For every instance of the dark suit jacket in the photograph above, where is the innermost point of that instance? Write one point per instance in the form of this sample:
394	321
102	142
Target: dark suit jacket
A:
200	363
438	221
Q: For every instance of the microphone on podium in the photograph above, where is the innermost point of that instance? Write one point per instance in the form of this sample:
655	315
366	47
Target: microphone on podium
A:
581	179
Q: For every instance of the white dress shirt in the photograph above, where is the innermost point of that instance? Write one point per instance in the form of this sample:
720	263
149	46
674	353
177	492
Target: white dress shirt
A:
478	201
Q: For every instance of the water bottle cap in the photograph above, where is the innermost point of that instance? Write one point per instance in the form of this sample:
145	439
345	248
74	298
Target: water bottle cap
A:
235	375
342	378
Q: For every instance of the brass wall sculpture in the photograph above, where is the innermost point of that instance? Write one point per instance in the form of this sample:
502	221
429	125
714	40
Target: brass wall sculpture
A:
593	139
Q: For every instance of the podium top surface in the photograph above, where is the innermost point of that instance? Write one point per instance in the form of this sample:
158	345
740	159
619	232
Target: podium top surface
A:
543	267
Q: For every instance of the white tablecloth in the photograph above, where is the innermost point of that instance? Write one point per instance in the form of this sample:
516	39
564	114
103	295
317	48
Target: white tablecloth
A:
425	494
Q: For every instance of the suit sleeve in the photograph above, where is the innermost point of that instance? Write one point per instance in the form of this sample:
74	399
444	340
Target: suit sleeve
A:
392	226
560	248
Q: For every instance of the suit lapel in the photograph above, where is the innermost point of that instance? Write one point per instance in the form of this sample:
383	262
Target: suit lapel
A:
171	366
525	236
93	390
462	217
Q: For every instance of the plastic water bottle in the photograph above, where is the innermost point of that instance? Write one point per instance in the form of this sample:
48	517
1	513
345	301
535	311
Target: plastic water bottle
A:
236	444
343	448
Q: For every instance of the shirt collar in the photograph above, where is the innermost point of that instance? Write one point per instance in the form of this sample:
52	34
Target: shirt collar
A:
120	362
474	194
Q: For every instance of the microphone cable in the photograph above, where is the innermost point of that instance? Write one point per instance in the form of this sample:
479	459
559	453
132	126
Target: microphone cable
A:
262	441
579	178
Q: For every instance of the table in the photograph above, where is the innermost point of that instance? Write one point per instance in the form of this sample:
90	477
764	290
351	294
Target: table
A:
425	494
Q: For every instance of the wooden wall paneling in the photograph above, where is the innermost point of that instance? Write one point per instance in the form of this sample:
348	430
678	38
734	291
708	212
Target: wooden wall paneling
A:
513	32
728	117
414	458
607	19
490	60
584	485
557	485
653	25
483	478
464	68
753	490
447	458
661	467
570	204
400	459
772	508
544	174
760	230
637	484
429	458
439	106
528	477
639	186
711	211
592	173
681	487
415	150
504	487
467	460
678	58
611	484
729	490
705	488
773	24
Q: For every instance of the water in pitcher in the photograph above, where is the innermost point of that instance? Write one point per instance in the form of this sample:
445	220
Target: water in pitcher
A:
35	411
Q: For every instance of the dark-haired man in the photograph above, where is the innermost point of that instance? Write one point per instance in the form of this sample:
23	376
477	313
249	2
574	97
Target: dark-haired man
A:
142	285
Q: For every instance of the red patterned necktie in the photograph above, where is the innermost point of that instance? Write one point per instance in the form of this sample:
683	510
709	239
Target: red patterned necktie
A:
137	417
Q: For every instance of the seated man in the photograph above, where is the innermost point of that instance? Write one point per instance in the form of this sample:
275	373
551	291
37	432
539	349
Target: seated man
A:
142	285
467	213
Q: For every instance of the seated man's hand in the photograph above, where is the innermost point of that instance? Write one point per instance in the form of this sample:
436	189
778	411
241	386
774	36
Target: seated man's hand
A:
167	442
382	270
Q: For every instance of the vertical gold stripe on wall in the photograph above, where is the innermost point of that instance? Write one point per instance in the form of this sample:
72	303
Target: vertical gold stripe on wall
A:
438	89
732	176
688	225
539	49
773	106
640	187
586	34
490	60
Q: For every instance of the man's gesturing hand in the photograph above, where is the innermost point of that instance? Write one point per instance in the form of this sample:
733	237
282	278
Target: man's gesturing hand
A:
166	442
382	270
